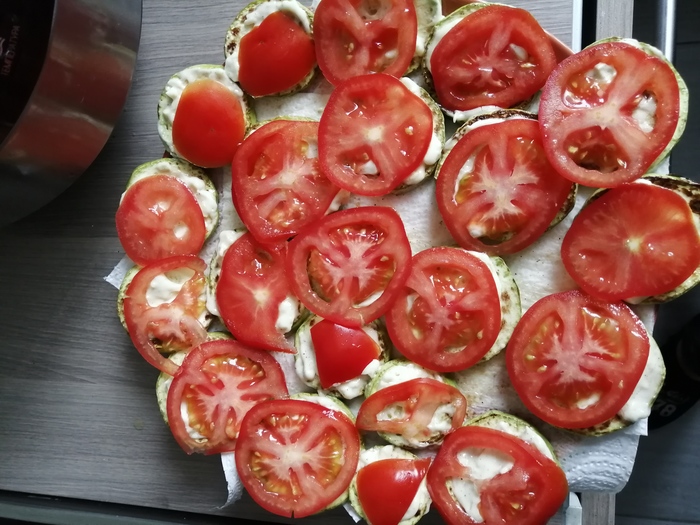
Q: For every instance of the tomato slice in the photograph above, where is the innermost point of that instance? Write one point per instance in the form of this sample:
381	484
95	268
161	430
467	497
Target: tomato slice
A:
159	217
218	382
209	124
417	400
296	457
495	56
373	134
341	353
574	360
527	490
350	265
278	186
275	56
252	286
497	191
448	314
387	487
357	37
167	326
607	113
636	240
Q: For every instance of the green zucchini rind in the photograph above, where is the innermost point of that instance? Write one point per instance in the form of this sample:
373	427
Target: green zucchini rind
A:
428	13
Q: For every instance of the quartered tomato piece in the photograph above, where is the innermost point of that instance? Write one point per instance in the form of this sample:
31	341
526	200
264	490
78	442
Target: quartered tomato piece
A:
575	360
251	288
278	185
275	56
607	113
159	217
448	314
162	325
497	56
417	400
496	190
296	457
356	37
341	353
218	382
209	124
387	487
350	265
482	475
373	134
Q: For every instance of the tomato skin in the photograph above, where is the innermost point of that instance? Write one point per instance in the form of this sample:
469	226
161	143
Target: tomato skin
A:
574	106
528	494
571	350
228	379
150	215
175	324
636	240
387	487
512	194
325	441
275	56
473	65
209	124
352	254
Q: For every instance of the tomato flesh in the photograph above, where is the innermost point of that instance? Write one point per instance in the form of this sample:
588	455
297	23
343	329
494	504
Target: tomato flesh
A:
209	124
575	360
275	56
387	487
295	457
341	353
636	240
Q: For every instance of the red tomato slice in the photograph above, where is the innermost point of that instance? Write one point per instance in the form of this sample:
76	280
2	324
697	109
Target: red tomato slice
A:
418	399
498	56
636	240
373	134
170	326
278	186
529	493
497	191
251	287
350	265
209	124
218	382
159	217
295	457
448	314
589	117
356	37
341	353
574	360
387	487
275	56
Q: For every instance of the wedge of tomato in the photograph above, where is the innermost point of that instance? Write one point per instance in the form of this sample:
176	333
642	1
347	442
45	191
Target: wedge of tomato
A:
158	218
350	265
296	457
521	487
496	190
494	56
374	132
575	360
278	186
251	287
216	385
168	326
448	314
357	37
636	240
595	127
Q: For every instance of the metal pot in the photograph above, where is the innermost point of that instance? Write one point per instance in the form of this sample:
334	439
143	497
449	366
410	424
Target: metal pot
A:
65	71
